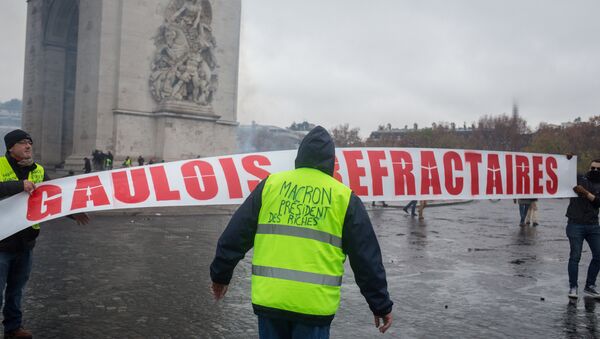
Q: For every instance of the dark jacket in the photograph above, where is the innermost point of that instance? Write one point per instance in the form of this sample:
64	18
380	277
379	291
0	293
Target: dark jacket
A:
581	210
358	238
24	239
87	165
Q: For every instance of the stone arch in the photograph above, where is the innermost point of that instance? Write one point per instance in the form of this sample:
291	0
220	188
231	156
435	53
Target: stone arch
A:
61	23
60	34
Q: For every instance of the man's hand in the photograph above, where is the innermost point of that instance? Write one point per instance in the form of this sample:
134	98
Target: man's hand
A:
582	192
28	186
387	322
218	290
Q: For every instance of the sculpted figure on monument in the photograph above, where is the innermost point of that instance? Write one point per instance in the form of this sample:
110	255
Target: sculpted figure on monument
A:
184	67
190	13
176	45
189	84
171	53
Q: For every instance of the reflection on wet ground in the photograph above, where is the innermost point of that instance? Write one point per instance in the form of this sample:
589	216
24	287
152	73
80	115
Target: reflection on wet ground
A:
466	271
584	318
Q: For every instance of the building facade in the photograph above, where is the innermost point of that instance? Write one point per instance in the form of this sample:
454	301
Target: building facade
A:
156	78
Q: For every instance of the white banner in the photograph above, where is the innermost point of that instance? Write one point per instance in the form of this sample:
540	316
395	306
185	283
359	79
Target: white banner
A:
388	174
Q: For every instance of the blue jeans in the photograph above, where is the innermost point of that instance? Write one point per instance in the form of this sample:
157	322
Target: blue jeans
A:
577	233
270	328
523	208
14	273
412	205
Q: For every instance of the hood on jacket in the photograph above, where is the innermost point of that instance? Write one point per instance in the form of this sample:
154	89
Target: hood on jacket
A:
317	151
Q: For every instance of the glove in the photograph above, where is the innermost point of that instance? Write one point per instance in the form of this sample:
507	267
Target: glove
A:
581	191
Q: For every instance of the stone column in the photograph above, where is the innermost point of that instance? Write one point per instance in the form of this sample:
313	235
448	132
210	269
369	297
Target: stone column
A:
50	28
227	25
34	74
54	81
91	83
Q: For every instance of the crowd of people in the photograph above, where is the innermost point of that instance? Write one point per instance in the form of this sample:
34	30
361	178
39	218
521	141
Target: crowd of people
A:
527	210
101	161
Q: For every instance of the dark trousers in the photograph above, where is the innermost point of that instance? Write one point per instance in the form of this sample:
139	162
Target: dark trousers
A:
412	205
577	234
14	273
270	328
523	208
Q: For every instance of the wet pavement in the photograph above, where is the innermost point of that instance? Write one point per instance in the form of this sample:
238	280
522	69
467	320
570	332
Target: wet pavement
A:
466	271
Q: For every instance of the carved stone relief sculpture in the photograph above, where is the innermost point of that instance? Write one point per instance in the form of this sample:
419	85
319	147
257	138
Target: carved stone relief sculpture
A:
184	69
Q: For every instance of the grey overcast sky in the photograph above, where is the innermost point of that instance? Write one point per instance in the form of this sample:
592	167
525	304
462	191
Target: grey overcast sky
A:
397	61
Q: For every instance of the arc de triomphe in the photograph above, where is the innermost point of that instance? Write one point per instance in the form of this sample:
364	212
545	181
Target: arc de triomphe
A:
156	78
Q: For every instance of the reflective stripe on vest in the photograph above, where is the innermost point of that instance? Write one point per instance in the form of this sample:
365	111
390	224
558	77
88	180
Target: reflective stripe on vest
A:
301	233
8	174
294	275
298	262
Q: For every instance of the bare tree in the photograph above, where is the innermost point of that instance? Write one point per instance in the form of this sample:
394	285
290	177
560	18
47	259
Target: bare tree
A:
344	136
580	138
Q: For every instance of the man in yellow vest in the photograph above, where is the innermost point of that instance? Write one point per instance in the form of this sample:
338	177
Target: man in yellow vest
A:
302	224
18	173
127	162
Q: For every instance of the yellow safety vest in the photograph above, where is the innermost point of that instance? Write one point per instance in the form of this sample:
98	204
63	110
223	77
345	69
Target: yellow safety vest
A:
8	174
298	261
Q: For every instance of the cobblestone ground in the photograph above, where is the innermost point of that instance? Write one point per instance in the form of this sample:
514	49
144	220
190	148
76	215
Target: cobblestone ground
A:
467	271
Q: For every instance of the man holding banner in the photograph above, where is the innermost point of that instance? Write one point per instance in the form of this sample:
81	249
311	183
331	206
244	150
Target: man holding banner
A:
18	173
582	215
302	223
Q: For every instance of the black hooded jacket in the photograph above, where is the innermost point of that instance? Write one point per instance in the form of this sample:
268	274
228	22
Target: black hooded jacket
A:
24	239
359	242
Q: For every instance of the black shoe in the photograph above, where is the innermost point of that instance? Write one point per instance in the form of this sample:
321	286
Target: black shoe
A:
590	291
535	224
522	224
